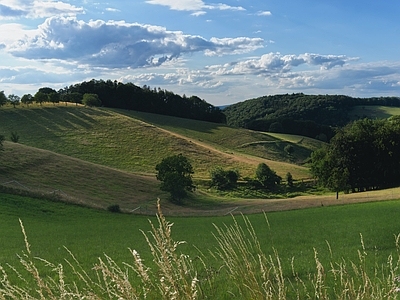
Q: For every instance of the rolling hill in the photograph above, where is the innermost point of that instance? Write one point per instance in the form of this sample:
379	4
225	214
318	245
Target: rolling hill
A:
97	156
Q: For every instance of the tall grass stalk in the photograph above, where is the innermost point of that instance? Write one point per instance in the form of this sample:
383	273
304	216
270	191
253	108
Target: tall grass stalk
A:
246	271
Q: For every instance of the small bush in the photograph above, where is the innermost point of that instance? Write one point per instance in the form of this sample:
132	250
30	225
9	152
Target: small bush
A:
14	137
114	208
224	179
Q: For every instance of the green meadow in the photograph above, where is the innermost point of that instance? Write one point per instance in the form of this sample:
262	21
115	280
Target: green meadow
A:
334	232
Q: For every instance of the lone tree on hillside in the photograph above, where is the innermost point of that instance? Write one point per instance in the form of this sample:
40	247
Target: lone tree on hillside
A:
175	173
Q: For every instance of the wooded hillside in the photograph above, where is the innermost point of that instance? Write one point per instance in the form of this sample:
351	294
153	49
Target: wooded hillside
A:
309	115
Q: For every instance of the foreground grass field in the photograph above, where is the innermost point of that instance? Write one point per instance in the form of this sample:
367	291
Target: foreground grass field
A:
334	232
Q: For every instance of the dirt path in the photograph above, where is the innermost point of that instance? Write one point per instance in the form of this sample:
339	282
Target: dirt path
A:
252	206
238	157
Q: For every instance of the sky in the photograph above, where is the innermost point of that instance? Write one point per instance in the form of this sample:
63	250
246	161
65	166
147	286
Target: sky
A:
224	52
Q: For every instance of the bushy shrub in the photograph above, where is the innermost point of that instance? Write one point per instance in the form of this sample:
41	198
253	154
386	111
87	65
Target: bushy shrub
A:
267	177
14	137
224	179
114	208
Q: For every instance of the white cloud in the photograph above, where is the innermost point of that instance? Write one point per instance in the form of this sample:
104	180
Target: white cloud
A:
276	63
238	45
221	6
198	13
119	44
264	13
112	9
11	9
193	5
189	5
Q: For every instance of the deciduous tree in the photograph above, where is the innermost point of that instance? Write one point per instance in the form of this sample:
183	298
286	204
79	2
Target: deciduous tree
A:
267	177
91	100
175	173
3	98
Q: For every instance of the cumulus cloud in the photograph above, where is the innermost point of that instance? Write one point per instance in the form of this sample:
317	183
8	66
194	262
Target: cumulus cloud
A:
276	63
115	44
12	9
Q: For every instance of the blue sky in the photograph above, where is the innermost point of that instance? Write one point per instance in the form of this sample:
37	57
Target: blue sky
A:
224	51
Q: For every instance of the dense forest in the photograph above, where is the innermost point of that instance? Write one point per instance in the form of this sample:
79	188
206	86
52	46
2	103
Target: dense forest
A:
309	115
115	94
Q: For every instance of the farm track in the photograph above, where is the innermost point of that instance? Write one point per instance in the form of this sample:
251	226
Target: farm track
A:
254	206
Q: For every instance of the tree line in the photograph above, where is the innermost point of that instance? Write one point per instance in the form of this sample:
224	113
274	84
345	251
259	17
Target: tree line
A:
115	94
363	155
315	116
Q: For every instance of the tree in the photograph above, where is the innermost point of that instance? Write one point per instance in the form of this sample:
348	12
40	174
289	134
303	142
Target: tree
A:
91	100
14	99
175	173
364	155
75	98
54	98
224	179
3	98
27	99
41	97
289	179
267	177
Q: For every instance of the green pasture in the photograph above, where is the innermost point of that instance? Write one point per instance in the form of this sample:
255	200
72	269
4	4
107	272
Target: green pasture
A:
90	234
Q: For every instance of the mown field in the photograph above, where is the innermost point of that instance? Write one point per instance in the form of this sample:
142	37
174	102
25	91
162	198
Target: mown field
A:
333	231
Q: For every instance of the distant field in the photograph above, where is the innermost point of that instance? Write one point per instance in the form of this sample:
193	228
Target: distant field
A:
380	112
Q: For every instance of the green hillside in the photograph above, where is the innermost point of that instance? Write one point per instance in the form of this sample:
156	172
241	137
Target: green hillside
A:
128	143
100	156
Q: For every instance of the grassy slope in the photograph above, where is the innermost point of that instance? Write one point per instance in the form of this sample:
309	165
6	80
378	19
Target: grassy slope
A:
238	141
74	180
124	142
100	157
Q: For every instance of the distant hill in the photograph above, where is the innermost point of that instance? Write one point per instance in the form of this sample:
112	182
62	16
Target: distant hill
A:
314	116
